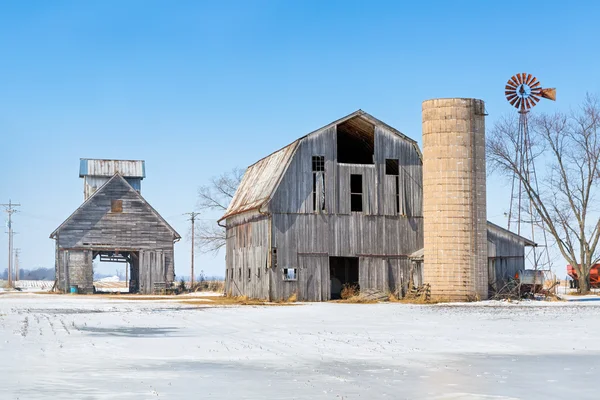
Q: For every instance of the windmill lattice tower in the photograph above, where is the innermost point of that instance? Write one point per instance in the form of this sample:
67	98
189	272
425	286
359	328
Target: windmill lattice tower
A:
523	91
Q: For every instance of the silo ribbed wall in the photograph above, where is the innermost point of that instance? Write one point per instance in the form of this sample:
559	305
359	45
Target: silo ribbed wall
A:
454	190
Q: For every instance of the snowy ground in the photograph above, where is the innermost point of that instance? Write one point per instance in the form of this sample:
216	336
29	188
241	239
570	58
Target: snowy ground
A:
84	347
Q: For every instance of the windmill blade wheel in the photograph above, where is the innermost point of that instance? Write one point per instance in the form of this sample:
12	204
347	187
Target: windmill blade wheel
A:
523	91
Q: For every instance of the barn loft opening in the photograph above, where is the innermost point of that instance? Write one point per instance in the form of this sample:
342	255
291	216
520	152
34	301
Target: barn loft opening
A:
342	271
356	141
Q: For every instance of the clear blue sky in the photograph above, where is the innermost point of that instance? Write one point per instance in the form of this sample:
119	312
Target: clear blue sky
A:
196	88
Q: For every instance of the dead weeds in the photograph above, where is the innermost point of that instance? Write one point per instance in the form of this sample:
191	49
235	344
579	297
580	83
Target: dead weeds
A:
356	300
205	300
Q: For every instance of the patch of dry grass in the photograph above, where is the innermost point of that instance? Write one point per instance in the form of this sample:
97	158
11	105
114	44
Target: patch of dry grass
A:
205	300
356	300
349	291
137	297
209	286
232	301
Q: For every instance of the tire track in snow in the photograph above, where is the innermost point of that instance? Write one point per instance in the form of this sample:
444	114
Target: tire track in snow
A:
51	324
62	321
25	327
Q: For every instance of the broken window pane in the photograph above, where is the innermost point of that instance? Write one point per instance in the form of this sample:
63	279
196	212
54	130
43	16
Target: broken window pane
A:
290	274
318	163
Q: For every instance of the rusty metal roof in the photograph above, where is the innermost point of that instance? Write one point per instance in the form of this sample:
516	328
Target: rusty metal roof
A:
126	168
498	229
260	181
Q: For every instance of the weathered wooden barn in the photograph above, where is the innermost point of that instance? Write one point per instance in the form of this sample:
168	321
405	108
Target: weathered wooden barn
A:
116	224
341	205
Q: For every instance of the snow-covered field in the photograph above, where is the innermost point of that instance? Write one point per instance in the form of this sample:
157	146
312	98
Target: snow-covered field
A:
84	347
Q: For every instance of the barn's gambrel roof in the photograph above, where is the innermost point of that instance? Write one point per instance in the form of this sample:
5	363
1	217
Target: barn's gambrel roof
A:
262	178
122	180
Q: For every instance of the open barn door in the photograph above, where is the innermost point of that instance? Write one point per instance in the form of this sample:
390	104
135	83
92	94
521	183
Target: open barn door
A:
152	271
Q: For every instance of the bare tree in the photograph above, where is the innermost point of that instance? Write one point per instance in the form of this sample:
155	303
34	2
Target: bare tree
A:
215	197
565	151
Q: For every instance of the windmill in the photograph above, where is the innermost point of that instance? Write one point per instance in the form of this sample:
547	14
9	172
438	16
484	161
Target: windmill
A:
523	91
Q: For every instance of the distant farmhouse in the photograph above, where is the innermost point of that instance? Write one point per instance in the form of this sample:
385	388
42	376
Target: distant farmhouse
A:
342	205
114	223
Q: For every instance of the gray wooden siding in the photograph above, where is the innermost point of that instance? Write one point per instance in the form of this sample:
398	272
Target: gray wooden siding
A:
506	256
294	193
78	272
344	235
318	236
94	225
369	187
312	283
247	256
391	275
389	146
153	271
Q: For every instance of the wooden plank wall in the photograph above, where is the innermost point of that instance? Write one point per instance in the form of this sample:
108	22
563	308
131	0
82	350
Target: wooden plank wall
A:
152	271
247	255
389	146
79	270
136	227
506	256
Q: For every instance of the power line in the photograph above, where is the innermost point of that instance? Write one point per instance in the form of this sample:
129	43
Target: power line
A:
10	210
192	218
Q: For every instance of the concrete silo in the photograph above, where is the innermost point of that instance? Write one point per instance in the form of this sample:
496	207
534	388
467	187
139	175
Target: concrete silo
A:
454	203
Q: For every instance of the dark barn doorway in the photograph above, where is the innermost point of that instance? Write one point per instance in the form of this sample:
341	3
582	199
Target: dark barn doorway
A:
342	271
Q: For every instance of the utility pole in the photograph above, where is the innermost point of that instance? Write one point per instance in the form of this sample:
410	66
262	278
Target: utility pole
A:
17	252
193	216
9	209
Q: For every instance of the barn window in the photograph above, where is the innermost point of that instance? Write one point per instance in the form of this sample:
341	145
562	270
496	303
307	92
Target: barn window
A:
355	141
239	273
391	168
318	173
249	274
274	257
356	193
318	163
290	274
257	273
116	206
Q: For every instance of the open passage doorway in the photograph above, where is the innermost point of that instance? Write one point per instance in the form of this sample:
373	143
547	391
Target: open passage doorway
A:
116	271
342	271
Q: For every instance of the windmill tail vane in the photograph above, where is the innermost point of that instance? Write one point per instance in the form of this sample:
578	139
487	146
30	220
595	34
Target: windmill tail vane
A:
523	91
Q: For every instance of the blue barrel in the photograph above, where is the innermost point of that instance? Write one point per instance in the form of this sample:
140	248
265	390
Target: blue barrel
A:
74	289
